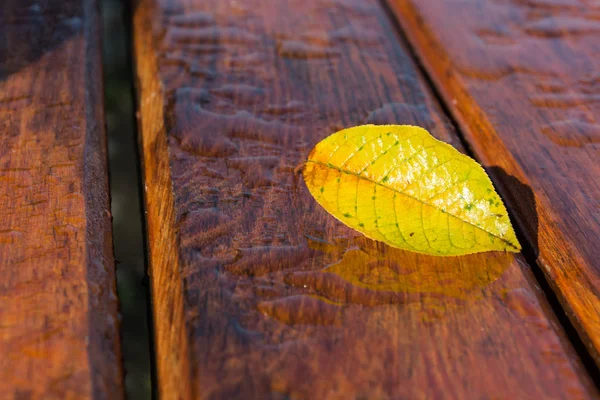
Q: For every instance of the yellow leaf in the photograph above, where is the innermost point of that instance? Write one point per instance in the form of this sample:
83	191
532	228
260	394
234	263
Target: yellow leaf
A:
401	186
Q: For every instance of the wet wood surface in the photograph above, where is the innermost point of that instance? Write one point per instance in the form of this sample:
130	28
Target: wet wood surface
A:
257	291
521	78
58	309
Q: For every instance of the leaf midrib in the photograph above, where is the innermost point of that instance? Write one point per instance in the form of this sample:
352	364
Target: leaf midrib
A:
333	167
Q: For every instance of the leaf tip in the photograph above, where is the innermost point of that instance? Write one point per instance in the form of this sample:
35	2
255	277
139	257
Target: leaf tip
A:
512	244
515	247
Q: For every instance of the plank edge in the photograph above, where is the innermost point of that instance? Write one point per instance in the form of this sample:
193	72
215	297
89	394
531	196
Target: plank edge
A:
172	357
104	351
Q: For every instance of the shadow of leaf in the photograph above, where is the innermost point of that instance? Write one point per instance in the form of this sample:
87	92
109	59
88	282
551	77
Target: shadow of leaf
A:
520	202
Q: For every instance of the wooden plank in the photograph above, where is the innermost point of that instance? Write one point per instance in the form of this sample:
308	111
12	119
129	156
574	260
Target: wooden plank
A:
521	77
232	97
58	308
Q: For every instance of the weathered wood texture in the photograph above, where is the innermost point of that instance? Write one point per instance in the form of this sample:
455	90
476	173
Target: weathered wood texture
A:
257	291
58	308
522	79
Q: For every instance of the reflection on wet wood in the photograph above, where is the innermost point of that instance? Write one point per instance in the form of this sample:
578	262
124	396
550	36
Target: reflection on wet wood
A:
258	292
521	77
58	309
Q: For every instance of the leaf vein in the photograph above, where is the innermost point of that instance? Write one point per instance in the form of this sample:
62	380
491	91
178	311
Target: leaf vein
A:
409	196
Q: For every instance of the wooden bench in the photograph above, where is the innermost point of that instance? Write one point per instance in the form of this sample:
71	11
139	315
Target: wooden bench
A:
256	291
58	305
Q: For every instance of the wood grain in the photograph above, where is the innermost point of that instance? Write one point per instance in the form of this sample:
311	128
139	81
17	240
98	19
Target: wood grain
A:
257	291
58	308
521	77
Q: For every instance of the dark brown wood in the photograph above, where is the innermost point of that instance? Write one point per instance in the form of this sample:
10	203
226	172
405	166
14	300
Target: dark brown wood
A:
257	291
58	307
521	77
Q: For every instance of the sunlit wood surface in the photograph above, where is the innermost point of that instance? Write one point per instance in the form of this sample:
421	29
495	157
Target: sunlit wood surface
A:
257	291
58	307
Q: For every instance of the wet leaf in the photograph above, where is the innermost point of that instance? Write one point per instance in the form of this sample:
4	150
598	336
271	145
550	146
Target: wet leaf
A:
401	186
